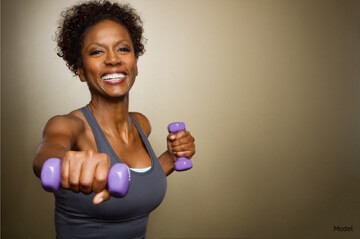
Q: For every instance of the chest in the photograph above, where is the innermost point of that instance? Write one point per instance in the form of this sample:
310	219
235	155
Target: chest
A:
133	152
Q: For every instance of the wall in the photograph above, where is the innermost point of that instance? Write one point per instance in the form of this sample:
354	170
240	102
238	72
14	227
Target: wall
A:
270	90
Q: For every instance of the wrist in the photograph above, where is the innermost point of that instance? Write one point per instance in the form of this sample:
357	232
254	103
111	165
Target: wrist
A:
171	156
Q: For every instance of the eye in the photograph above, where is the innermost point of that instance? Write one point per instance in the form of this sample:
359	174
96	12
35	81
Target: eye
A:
95	52
124	49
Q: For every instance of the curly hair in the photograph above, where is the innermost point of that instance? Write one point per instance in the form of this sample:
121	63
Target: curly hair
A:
77	19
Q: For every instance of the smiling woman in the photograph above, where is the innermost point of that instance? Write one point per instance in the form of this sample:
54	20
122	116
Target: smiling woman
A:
101	43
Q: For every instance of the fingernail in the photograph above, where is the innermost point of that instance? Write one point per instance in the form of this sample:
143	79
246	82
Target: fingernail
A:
172	137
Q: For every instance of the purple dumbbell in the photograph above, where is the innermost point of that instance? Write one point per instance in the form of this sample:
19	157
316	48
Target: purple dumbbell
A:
118	178
181	163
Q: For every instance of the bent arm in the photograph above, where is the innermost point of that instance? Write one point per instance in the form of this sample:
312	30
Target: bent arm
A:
180	144
167	162
59	136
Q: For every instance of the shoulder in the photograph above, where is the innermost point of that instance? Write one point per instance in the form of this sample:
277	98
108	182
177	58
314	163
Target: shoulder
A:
69	124
143	122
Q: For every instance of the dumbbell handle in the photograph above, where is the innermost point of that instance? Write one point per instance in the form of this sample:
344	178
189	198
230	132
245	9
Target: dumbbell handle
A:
118	178
182	163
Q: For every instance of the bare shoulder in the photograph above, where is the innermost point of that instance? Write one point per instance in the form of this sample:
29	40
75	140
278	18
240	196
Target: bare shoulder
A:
68	124
143	121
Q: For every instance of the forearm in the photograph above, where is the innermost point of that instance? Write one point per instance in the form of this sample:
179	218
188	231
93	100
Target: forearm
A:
46	151
167	162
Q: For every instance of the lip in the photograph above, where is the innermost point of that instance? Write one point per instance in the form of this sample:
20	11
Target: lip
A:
114	82
115	71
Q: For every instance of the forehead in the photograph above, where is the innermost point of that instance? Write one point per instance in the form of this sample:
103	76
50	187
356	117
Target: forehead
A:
106	31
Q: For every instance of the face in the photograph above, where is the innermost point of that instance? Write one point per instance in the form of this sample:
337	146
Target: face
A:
109	65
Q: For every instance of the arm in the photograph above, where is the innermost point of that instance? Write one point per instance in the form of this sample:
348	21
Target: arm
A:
81	171
167	161
59	136
179	145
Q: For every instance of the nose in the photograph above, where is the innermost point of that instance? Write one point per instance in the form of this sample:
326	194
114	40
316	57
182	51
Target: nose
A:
112	58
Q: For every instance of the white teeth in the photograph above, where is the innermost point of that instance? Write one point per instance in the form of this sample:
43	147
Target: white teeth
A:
113	76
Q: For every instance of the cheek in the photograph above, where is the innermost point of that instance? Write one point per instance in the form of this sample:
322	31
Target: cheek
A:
134	67
91	68
136	71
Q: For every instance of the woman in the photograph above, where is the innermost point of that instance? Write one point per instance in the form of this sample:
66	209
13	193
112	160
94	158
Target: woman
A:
101	42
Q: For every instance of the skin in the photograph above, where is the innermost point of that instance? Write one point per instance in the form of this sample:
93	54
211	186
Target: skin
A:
106	48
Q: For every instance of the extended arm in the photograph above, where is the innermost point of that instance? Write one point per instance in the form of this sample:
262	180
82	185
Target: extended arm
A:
59	136
81	171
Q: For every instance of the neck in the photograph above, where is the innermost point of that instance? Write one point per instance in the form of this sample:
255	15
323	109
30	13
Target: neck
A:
112	114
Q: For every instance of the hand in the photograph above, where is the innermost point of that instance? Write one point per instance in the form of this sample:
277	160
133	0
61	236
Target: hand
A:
86	171
181	144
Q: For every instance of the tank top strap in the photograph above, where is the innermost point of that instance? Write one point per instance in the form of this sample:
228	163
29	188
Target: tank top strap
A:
144	139
103	145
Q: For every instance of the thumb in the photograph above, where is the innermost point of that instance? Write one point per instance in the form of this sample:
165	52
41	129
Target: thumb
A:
102	196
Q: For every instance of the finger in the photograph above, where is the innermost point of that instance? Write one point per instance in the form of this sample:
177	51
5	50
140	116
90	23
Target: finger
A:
171	136
87	176
74	175
101	197
182	134
65	165
185	154
183	147
101	175
184	140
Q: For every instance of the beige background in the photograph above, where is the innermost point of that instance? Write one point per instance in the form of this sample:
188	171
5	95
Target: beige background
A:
270	89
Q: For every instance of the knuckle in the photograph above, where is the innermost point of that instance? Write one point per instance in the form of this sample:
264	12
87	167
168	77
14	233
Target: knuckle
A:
67	156
105	157
86	187
65	184
101	179
86	183
73	182
102	157
64	178
90	153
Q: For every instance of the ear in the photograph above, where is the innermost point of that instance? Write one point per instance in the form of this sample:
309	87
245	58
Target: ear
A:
80	73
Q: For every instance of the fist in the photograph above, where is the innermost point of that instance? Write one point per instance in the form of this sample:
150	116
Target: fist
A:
86	172
181	144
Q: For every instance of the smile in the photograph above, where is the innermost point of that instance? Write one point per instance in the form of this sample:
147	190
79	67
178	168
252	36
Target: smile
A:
115	77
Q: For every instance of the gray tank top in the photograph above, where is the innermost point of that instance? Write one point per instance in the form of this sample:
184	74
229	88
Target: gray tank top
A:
77	217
